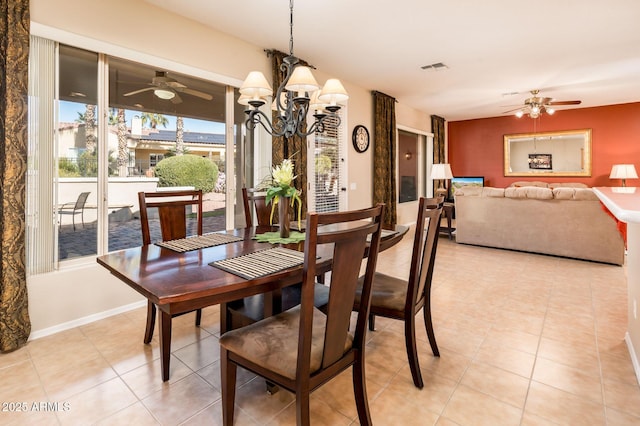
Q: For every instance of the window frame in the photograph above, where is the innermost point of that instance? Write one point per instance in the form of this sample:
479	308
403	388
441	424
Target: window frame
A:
105	50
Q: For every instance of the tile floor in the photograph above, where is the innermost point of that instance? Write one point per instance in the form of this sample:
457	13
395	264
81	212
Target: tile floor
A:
524	340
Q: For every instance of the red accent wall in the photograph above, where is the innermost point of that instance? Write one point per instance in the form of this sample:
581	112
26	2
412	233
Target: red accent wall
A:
476	146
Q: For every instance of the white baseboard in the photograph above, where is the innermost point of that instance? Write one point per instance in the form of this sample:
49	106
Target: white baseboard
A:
634	357
86	320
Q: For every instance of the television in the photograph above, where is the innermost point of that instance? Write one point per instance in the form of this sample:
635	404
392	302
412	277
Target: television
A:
460	181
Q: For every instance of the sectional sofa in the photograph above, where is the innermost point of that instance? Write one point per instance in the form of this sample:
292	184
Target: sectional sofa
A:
564	220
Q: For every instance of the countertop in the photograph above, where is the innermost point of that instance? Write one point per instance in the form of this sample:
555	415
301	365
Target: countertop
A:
624	203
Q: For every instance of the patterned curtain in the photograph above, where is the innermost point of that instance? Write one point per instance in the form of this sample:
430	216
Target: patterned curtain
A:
295	147
384	156
437	127
15	325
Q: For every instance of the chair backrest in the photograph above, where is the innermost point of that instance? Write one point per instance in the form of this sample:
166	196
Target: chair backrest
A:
254	199
172	213
423	255
81	201
347	235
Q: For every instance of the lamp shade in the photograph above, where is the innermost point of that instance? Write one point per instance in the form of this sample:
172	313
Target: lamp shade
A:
316	104
623	171
283	102
256	86
244	100
302	80
333	92
441	171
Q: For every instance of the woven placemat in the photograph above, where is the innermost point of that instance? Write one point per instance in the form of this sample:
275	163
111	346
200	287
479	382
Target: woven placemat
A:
261	263
198	242
274	237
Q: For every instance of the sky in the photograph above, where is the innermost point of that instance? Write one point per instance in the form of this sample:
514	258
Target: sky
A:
69	114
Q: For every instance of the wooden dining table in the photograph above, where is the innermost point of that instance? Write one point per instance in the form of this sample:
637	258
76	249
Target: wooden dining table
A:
179	282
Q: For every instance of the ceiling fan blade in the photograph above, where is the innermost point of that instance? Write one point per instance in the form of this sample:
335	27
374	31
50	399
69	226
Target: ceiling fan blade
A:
176	99
513	110
565	103
174	84
135	92
193	92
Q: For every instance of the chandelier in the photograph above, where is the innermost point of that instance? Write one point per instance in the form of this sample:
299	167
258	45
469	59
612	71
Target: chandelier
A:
297	95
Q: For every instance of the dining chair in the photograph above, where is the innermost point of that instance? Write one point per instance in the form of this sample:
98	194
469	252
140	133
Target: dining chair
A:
248	310
73	208
253	199
172	216
303	348
402	299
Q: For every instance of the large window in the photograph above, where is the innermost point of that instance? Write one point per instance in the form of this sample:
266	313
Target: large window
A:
114	121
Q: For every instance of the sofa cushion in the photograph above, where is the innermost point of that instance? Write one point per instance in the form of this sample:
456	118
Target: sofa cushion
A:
529	192
567	185
524	183
489	191
576	194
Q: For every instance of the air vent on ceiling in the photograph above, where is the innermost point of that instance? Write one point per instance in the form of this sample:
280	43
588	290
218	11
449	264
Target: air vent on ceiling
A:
436	67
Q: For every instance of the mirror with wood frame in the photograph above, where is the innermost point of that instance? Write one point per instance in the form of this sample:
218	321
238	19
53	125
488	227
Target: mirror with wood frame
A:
566	153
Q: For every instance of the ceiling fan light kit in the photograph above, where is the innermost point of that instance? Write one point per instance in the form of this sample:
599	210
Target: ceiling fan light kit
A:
167	88
297	95
535	106
164	94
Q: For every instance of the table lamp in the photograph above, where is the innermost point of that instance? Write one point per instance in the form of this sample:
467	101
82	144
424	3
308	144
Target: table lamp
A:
441	172
624	172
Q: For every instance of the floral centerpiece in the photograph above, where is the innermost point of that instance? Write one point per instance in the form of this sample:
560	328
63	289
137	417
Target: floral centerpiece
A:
281	191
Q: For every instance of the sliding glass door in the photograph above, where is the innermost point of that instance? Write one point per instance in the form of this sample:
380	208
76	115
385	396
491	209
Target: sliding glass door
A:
117	125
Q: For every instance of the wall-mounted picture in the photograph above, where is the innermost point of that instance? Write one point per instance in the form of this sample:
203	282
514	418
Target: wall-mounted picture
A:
540	161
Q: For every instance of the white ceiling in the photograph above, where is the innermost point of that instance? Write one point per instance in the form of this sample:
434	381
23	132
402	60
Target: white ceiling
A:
569	49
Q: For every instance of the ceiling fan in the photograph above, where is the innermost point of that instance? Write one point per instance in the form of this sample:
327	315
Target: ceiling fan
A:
165	87
537	105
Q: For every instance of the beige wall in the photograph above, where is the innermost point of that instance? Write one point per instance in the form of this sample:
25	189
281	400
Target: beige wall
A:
137	25
135	30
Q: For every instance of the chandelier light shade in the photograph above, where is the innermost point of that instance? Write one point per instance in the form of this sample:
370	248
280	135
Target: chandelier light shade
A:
624	172
333	92
298	95
256	86
302	80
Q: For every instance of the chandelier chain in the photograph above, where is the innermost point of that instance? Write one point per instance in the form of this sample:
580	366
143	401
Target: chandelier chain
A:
292	101
291	27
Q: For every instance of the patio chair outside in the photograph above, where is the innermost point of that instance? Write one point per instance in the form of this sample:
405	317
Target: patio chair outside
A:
74	208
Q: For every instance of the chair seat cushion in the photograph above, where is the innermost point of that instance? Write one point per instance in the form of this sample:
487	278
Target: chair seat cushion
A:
273	342
251	309
387	292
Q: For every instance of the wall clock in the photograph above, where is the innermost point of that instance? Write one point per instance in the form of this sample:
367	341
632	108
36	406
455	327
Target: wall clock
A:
360	138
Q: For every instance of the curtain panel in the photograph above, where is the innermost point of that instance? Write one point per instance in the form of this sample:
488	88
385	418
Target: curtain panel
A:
437	127
294	148
15	325
384	156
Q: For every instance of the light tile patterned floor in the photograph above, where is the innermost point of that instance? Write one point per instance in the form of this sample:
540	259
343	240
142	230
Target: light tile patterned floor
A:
524	340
